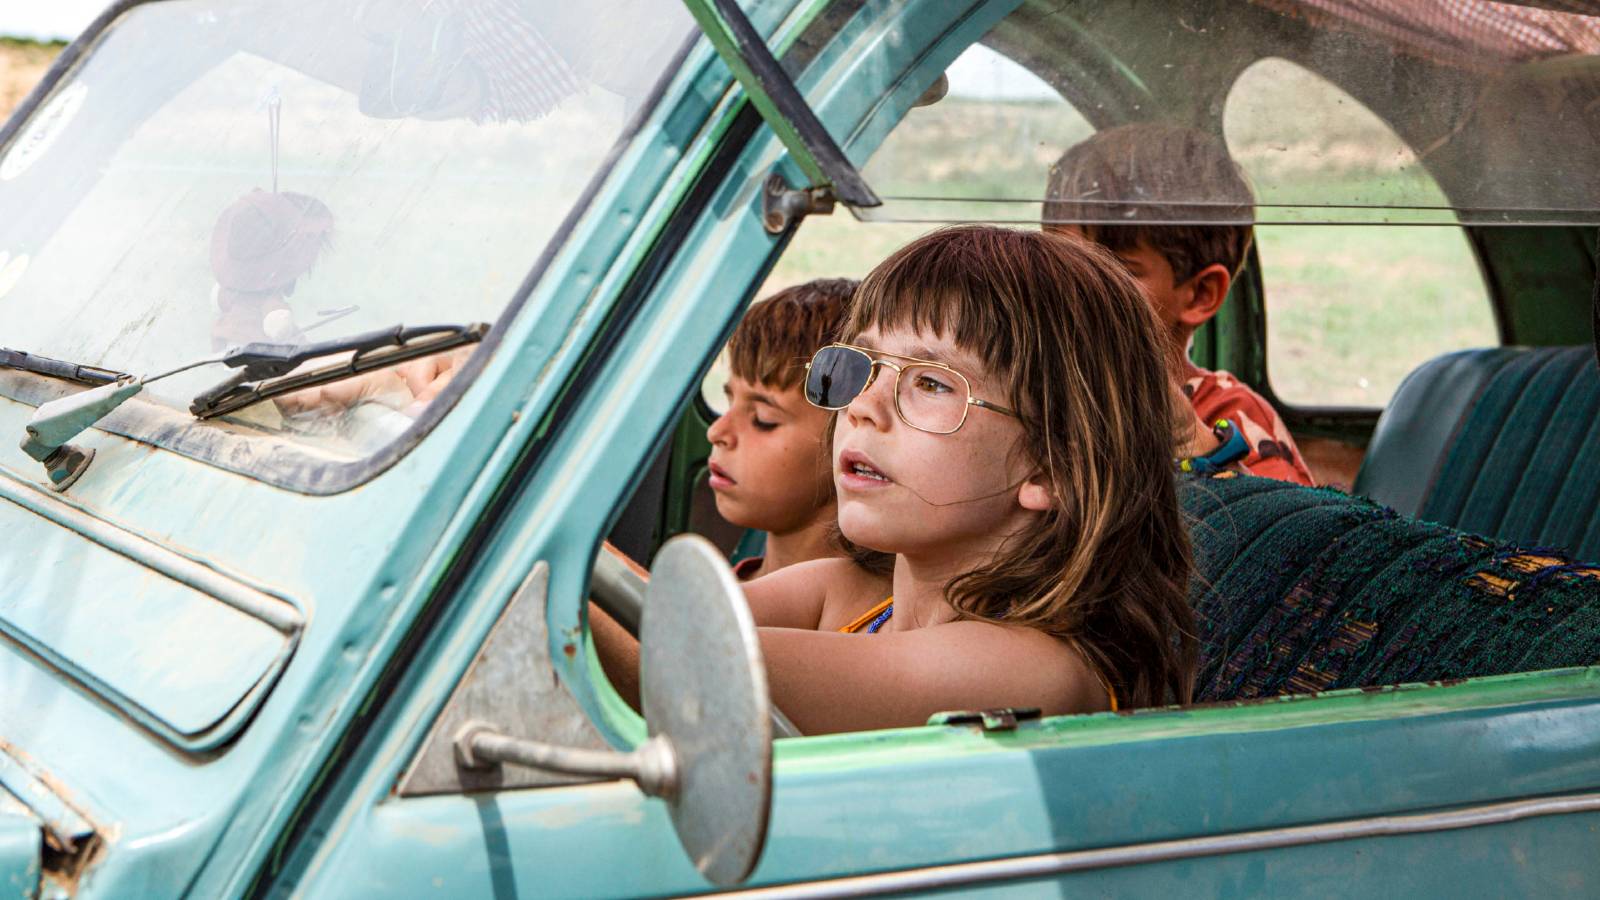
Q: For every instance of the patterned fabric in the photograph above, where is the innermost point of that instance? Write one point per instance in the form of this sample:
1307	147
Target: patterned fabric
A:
525	77
1218	395
1299	590
1470	34
496	47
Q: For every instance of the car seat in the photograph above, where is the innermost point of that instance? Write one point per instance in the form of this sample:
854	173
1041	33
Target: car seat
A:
1298	590
1503	442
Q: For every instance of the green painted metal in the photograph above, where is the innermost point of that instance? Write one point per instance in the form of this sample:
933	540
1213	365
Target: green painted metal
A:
719	33
1540	278
855	803
686	466
401	580
21	846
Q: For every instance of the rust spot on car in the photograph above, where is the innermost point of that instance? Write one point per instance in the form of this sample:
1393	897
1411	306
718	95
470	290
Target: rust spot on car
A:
63	863
570	650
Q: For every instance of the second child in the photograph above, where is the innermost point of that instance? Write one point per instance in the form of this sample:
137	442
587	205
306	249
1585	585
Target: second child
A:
769	461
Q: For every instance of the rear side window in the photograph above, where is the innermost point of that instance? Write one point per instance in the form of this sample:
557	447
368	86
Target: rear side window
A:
1351	309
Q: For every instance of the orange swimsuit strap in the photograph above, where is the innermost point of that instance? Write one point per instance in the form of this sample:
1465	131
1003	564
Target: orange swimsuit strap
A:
866	618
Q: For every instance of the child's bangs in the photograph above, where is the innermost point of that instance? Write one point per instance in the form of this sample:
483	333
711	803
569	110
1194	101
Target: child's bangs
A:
936	293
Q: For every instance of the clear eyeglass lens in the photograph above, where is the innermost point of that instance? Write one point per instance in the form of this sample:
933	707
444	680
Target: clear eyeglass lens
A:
932	399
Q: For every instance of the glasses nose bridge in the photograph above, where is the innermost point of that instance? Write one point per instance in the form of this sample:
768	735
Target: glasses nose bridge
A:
865	395
872	372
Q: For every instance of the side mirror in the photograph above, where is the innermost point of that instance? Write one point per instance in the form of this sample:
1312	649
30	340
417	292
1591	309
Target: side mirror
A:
706	706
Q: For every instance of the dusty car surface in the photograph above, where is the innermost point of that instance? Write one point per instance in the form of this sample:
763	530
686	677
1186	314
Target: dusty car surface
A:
337	336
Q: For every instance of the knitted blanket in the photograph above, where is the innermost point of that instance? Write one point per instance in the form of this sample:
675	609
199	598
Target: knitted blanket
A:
1309	589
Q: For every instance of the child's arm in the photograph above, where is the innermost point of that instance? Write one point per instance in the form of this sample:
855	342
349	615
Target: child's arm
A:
794	596
829	682
619	654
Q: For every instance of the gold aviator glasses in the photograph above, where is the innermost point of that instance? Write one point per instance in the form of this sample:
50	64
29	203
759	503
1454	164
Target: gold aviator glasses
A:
929	396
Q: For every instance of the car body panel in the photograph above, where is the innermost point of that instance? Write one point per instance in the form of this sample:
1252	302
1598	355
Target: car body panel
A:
853	804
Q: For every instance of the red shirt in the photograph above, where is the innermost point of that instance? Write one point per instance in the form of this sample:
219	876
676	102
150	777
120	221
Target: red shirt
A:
1218	395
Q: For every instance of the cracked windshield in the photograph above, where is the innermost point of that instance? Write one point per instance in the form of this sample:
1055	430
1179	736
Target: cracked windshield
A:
214	174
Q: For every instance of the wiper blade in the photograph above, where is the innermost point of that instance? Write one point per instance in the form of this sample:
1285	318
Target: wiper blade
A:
263	368
55	368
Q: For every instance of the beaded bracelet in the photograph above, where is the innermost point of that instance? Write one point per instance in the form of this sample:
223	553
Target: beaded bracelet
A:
1233	447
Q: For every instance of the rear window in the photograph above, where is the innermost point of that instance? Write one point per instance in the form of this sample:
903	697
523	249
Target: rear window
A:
1351	309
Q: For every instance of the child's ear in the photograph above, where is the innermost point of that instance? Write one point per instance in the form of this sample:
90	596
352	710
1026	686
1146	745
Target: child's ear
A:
1209	288
1034	493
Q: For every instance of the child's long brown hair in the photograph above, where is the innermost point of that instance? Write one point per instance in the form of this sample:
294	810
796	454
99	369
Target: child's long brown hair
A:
1065	328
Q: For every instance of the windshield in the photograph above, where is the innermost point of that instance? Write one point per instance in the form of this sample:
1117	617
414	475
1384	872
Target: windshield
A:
216	173
1447	111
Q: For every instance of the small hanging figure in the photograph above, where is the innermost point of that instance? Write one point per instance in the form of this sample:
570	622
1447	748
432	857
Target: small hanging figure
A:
260	247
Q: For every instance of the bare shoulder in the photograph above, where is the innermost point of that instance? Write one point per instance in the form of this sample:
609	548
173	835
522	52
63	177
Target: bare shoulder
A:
796	596
922	671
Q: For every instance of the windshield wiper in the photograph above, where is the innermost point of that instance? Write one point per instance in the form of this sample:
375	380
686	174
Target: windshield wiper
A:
262	366
260	376
55	368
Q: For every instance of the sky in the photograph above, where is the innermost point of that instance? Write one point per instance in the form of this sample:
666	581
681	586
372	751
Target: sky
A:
47	19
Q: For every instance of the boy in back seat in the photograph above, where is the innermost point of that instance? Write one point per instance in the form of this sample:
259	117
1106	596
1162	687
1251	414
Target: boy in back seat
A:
1185	270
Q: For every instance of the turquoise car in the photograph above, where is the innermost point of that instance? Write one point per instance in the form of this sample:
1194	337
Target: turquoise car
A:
339	336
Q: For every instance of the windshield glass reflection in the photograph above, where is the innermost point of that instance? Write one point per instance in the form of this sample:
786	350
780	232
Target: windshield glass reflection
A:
218	173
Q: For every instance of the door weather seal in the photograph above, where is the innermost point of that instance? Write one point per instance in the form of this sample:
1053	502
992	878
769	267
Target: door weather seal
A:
780	103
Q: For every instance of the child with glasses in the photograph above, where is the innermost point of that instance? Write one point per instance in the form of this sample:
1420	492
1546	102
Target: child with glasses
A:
1004	430
770	468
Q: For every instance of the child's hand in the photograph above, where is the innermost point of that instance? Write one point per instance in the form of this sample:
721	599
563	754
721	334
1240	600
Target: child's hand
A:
408	387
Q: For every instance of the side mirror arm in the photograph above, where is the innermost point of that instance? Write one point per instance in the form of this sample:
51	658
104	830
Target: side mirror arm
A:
653	765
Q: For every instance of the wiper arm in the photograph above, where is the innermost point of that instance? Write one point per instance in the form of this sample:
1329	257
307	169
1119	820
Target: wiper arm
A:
262	366
55	368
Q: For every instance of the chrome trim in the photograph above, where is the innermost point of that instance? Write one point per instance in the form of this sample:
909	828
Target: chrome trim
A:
1047	864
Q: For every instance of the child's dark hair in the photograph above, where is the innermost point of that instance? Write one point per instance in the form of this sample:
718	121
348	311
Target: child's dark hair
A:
1062	324
1180	172
779	334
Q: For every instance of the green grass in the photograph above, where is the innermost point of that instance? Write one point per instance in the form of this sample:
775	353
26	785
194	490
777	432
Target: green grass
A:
1351	310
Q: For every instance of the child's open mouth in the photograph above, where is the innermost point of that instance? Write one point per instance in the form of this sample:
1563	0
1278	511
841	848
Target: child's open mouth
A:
857	472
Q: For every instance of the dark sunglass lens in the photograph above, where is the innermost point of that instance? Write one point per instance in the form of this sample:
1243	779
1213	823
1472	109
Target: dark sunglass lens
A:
837	375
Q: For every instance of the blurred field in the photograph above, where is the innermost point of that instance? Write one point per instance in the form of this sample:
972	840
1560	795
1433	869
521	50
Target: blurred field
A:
22	64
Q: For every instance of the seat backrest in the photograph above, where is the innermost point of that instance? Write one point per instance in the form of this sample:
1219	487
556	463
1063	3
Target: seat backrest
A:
1503	442
1308	589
